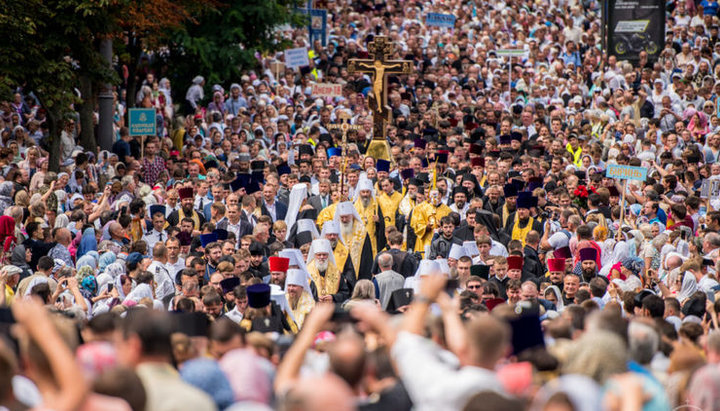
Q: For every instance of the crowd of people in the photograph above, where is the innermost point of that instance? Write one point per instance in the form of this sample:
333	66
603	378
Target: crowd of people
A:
253	256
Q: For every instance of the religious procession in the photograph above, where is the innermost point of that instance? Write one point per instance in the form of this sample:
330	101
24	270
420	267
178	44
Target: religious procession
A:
419	205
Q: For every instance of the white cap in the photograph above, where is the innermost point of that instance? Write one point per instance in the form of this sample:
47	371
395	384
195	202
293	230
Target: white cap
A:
345	208
427	267
297	277
457	251
471	248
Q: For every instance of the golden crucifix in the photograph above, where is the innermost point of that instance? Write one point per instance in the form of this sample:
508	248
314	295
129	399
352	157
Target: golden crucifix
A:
379	65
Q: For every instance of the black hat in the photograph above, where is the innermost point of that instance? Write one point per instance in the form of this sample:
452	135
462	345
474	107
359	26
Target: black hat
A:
382	165
266	325
302	238
257	165
154	209
509	190
505	139
482	271
459	189
242	180
283	169
526	332
399	298
206	239
258	295
229	284
195	324
535	182
476	149
256	248
441	157
424	177
221	234
694	306
516	136
407	173
306	149
258	176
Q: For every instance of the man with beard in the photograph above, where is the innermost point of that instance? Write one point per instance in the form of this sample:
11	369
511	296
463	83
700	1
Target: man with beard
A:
407	204
460	204
492	201
257	254
187	200
519	223
556	271
426	218
331	231
389	201
328	283
213	253
355	237
511	194
299	295
588	266
371	214
278	267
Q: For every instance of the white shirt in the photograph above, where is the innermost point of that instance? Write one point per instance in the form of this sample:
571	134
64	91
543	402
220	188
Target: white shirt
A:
235	229
152	238
434	384
163	279
271	209
174	268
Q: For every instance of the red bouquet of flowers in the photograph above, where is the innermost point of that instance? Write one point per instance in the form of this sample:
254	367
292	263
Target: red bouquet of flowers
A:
581	194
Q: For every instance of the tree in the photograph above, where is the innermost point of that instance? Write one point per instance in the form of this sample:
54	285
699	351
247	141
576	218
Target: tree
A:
146	26
48	45
225	40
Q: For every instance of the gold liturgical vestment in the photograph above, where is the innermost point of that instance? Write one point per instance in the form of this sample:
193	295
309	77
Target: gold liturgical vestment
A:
425	218
327	285
368	216
341	254
327	214
389	205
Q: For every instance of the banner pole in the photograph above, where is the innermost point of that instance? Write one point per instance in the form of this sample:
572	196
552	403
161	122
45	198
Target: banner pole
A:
622	210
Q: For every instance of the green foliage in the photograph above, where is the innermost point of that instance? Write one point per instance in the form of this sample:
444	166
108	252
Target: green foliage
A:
225	40
48	44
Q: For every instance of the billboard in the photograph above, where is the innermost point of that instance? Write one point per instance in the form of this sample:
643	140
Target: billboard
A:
633	26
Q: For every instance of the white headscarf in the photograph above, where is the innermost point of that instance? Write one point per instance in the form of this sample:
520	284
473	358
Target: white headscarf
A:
688	288
298	194
559	305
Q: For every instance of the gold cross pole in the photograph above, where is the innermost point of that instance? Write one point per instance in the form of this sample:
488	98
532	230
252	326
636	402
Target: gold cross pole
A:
344	126
379	66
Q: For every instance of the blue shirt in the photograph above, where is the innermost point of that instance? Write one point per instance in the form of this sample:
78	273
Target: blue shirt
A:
709	7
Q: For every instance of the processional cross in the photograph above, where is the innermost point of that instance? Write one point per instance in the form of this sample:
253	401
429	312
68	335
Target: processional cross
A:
344	126
378	66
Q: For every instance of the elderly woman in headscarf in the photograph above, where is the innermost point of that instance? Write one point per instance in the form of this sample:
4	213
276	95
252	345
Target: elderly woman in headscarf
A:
217	103
20	258
105	260
7	189
697	122
88	242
